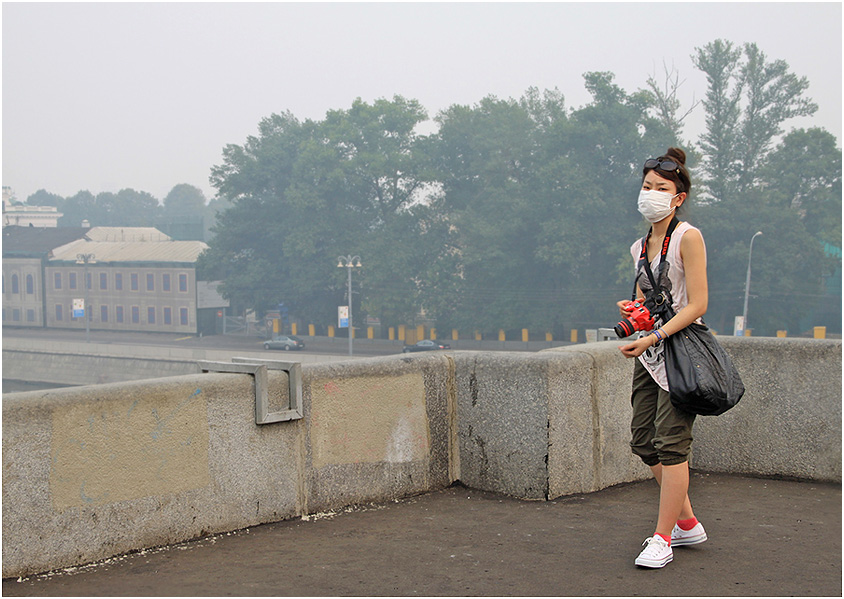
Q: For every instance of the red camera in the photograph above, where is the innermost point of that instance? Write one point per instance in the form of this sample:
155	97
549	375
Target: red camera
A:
640	319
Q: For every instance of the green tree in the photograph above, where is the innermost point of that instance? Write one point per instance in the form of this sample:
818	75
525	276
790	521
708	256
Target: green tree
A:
183	213
354	183
77	208
804	174
42	197
747	101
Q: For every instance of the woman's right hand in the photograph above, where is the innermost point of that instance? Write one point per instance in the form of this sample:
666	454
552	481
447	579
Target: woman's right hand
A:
624	308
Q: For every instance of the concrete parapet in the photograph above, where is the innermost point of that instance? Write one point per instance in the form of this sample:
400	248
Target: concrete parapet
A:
789	421
96	471
787	424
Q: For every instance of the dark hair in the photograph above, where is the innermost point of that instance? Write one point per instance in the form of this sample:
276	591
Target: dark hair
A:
680	176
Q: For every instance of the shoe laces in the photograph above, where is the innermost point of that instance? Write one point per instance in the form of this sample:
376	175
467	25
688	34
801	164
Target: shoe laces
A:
654	544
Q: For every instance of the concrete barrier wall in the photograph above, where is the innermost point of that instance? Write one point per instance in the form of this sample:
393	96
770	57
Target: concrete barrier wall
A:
96	471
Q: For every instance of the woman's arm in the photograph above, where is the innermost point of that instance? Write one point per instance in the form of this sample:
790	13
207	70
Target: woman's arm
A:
693	253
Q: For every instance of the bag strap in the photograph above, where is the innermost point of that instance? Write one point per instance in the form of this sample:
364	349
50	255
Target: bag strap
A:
643	256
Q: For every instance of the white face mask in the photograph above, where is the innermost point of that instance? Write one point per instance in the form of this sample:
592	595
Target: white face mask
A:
655	205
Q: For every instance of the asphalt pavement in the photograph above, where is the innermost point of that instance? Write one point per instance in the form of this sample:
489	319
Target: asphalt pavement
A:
766	538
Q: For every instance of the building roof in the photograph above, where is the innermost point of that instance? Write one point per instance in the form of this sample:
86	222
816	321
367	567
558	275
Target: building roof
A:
131	251
38	241
126	234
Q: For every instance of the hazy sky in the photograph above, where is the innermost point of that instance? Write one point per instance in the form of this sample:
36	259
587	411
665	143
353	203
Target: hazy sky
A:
104	96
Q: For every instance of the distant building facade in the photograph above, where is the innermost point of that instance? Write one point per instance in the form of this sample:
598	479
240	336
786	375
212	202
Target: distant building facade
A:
130	279
21	215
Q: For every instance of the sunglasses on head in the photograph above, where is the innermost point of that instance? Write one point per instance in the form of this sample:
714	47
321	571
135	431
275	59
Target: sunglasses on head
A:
666	165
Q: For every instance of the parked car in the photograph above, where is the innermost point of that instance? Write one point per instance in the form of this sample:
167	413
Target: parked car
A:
285	342
425	345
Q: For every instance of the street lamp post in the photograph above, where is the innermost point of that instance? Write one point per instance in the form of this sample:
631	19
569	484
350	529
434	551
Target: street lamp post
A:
747	281
349	262
86	259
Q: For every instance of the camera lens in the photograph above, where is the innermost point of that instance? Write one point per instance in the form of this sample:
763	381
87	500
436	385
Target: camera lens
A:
624	328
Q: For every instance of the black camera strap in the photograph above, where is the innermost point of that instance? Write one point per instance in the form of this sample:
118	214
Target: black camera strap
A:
659	296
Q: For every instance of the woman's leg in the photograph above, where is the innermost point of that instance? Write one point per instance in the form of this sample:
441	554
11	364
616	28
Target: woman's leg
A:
686	512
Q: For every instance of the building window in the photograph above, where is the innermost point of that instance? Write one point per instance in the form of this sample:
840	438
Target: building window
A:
165	282
30	316
15	288
71	280
118	313
30	285
136	315
103	313
183	316
16	314
57	280
103	281
118	281
133	284
183	283
168	316
88	277
151	315
58	311
150	282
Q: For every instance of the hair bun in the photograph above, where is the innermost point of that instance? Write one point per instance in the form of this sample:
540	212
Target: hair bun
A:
677	154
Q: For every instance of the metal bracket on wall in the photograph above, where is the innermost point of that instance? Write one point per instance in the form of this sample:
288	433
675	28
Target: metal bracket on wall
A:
258	369
294	382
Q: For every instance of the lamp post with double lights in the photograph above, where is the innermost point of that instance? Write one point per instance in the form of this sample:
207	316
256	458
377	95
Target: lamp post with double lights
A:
349	262
747	281
86	259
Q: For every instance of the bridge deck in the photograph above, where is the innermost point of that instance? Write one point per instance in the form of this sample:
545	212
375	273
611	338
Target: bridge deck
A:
767	537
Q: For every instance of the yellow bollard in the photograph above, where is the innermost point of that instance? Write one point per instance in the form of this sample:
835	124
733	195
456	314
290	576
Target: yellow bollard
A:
525	335
311	330
454	334
782	333
402	336
370	332
501	336
820	332
748	332
478	336
352	332
574	335
293	328
331	330
391	333
549	337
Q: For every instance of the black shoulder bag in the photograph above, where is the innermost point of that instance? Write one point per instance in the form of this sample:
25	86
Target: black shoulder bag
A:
701	377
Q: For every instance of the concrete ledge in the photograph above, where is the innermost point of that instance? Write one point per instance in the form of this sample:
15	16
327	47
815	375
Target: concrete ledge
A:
96	471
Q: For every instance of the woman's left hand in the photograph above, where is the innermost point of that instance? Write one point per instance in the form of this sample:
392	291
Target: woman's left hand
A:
636	348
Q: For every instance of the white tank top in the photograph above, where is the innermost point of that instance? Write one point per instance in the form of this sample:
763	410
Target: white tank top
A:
670	275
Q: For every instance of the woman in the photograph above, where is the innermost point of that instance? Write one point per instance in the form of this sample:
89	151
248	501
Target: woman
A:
661	434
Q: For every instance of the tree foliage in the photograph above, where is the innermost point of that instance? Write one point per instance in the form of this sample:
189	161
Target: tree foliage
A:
515	212
520	212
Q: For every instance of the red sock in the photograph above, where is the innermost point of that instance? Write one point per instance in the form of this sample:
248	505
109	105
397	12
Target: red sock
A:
666	537
687	524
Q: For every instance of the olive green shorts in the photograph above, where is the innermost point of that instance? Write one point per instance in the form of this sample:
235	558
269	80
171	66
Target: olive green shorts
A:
662	434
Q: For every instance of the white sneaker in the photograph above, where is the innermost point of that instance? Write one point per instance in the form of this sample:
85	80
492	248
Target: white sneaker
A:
656	553
688	537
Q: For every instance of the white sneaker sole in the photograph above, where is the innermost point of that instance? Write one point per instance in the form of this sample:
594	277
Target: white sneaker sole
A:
689	540
647	563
